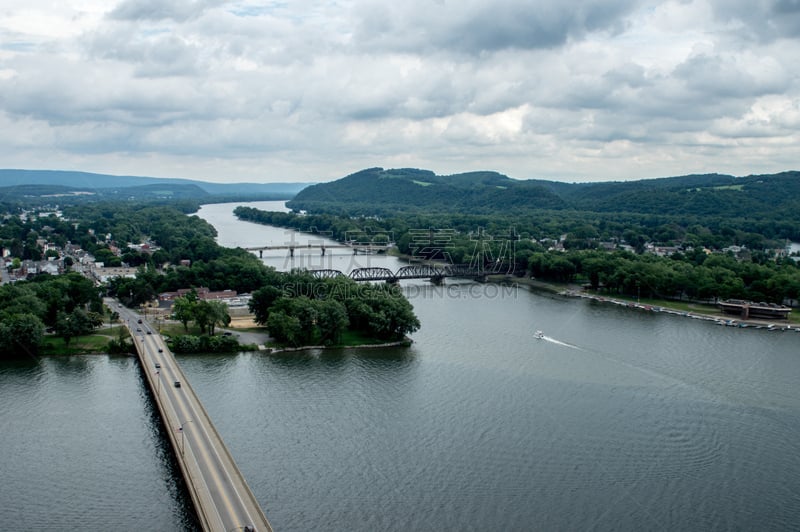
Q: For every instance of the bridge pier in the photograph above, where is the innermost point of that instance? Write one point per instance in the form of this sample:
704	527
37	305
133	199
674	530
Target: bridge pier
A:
323	250
291	252
260	253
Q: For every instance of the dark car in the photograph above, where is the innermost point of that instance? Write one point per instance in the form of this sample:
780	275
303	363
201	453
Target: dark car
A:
140	320
158	365
148	332
177	384
160	350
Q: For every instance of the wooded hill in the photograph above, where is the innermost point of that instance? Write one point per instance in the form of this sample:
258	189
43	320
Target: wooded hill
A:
376	191
23	188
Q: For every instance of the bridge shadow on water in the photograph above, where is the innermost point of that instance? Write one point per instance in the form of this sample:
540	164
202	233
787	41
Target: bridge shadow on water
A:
173	476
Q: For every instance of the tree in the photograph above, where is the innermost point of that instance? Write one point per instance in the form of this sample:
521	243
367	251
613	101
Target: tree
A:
217	313
284	328
183	309
392	316
21	333
72	324
261	301
331	320
203	315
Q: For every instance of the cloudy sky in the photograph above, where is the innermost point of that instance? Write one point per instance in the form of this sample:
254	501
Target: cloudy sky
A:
312	90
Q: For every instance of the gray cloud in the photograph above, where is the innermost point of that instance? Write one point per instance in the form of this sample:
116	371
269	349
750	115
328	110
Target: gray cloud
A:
765	20
474	27
177	10
316	89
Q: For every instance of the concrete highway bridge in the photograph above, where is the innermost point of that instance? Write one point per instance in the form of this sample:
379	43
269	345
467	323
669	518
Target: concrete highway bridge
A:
222	499
292	247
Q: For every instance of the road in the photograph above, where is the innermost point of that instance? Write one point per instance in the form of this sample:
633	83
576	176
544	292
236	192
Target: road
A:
222	498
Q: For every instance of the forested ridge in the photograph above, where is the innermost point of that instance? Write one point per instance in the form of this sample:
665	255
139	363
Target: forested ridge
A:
766	204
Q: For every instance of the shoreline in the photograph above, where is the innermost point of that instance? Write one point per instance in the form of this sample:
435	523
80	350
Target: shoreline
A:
405	342
662	307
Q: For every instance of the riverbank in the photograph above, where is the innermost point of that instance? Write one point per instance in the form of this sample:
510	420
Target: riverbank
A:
685	309
405	342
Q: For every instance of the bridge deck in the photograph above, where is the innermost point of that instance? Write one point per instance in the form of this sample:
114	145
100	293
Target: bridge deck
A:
220	494
299	246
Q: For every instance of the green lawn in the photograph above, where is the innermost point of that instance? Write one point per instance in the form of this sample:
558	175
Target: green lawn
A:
93	343
356	338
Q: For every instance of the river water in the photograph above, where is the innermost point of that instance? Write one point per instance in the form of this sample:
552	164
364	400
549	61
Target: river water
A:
618	419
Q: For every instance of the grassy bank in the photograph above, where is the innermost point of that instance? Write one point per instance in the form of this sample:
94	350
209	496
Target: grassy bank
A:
96	342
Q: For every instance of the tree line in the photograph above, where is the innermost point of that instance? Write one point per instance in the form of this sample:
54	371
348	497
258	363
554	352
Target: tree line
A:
692	272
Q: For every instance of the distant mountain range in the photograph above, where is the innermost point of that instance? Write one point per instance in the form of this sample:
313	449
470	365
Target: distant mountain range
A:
380	191
60	183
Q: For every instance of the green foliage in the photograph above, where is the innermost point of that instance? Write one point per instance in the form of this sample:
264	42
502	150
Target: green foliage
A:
183	308
716	276
665	209
69	303
74	323
302	310
400	189
261	300
207	315
204	344
20	334
122	344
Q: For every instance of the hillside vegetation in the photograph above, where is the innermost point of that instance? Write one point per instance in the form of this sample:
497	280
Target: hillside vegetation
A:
36	188
753	199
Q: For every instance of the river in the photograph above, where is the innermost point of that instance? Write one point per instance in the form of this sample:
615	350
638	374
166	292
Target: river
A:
618	419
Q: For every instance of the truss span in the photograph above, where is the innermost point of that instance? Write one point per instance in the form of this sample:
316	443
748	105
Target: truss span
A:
463	270
415	271
373	274
327	274
419	271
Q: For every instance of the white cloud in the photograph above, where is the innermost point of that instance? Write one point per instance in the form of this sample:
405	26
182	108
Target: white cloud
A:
316	89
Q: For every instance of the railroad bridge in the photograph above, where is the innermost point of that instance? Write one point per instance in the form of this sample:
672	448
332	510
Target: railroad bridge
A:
415	271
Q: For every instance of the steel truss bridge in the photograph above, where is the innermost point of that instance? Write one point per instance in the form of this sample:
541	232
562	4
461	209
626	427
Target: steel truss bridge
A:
414	271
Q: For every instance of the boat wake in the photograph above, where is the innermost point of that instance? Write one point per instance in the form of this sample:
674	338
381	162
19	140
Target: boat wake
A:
559	342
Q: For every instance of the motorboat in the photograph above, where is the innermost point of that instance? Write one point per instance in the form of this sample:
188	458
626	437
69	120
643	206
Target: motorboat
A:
539	335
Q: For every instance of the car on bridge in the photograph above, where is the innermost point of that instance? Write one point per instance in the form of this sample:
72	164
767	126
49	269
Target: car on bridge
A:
177	384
